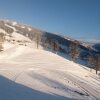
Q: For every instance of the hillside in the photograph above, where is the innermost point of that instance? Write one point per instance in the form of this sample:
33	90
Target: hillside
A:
31	75
28	72
46	39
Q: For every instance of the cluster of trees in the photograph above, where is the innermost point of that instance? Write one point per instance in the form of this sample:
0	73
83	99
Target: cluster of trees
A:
2	37
49	43
73	48
94	61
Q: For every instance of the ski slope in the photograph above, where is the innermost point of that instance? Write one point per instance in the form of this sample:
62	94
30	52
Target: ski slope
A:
34	74
27	73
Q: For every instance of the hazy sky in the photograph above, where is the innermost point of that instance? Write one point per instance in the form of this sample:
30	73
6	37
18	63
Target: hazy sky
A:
75	18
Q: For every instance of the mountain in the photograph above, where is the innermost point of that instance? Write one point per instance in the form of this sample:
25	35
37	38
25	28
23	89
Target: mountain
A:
92	43
55	43
46	37
33	67
97	47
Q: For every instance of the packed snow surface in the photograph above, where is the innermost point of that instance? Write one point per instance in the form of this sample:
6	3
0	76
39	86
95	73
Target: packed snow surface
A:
2	31
27	74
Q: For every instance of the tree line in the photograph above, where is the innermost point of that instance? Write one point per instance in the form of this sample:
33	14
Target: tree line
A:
74	50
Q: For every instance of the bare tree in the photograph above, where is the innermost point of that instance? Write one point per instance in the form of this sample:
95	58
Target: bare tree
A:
38	39
94	62
91	61
1	41
55	46
74	50
97	62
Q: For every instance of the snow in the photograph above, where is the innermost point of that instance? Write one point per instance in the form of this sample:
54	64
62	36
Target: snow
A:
2	31
27	73
14	23
20	37
89	41
29	29
10	27
7	45
16	36
22	26
56	75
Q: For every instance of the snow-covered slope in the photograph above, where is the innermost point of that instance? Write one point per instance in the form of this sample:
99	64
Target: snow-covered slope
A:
27	73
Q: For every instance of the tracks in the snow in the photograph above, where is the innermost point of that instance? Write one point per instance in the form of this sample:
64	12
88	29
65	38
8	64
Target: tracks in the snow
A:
84	85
